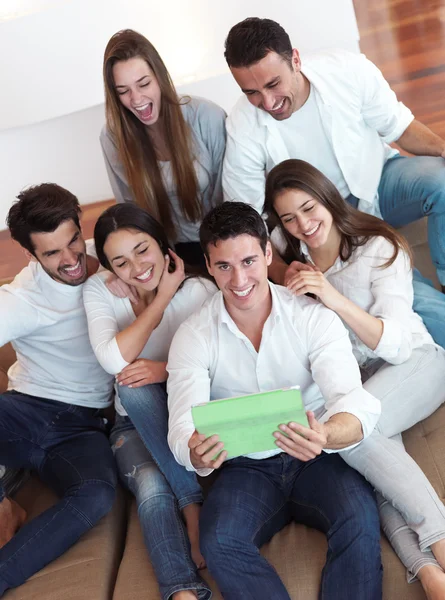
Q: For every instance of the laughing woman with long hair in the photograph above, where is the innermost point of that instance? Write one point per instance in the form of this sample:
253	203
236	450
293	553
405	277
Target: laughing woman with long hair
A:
162	151
360	267
131	340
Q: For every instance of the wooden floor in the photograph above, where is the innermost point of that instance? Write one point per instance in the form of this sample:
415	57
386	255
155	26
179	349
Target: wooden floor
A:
404	38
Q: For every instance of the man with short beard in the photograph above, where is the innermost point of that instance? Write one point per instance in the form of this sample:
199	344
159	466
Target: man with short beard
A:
49	419
335	111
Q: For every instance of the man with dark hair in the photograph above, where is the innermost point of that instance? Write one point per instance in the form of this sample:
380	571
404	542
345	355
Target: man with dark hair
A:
253	337
337	112
49	417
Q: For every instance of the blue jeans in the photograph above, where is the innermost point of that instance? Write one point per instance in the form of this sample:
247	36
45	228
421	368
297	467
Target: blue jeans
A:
162	526
412	188
253	499
148	411
67	446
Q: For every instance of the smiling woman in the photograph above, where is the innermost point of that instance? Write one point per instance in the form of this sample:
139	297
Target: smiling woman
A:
131	340
162	152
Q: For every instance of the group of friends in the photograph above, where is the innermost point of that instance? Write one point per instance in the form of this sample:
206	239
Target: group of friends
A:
244	254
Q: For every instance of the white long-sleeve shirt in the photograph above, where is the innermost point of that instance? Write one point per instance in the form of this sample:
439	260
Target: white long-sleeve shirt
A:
46	323
383	293
107	315
360	114
303	343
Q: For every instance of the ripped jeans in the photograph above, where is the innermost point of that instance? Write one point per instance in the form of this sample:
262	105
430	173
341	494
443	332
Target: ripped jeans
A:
162	526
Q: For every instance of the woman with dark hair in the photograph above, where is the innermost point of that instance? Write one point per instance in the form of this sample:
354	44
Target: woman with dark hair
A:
360	268
161	151
131	340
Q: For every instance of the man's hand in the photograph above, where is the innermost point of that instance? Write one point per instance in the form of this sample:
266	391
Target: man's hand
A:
142	372
304	443
204	450
121	289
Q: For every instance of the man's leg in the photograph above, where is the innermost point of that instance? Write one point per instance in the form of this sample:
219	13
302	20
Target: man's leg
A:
68	448
147	408
162	526
330	496
245	508
412	188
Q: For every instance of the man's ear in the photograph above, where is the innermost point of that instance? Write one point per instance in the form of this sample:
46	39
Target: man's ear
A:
268	253
209	269
28	255
296	60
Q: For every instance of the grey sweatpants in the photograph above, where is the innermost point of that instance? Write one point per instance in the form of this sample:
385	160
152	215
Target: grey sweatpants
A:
411	513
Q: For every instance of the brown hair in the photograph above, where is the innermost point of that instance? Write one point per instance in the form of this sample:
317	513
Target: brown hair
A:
251	40
134	146
355	227
41	209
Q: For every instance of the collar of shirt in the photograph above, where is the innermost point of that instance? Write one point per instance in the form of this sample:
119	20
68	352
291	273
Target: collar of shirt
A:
224	316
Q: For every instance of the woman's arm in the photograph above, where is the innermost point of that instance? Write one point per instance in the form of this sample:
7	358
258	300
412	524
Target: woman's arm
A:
131	341
307	279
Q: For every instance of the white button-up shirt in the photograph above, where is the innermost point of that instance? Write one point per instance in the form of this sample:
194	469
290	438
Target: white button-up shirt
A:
361	116
303	343
383	293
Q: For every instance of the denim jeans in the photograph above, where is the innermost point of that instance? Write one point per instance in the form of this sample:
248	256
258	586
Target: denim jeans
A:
253	499
162	526
412	188
68	448
148	411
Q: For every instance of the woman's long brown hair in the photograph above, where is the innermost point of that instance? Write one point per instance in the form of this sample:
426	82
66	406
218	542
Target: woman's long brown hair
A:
355	227
134	146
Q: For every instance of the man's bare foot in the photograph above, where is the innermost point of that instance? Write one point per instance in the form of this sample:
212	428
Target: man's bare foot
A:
191	518
433	582
12	517
185	595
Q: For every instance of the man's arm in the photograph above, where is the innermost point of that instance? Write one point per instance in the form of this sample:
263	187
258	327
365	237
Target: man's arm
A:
418	139
337	374
244	169
19	318
188	383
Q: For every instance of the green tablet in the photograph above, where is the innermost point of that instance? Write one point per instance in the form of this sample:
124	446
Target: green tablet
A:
246	423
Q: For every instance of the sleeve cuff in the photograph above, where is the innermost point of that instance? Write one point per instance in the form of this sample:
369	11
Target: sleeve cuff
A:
393	346
404	119
362	405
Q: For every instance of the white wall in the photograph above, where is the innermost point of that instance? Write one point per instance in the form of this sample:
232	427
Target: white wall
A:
51	108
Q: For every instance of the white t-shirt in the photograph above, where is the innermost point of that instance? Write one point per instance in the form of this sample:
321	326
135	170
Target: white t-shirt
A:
305	138
108	314
46	323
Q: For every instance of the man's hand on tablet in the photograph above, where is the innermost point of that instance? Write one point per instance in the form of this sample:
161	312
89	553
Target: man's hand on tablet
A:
304	443
206	453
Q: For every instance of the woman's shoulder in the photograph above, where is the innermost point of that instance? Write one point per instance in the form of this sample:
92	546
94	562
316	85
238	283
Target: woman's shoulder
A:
107	140
97	282
199	109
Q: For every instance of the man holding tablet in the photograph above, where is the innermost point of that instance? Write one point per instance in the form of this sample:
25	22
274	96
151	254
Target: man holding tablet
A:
254	336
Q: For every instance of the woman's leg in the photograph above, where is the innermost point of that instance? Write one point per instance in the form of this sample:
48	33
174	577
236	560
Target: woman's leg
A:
147	408
384	462
162	526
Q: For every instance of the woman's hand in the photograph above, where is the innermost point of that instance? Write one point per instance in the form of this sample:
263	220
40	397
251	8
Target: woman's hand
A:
170	282
304	279
142	372
121	289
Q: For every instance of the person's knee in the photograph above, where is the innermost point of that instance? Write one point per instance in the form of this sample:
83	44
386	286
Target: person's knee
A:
93	500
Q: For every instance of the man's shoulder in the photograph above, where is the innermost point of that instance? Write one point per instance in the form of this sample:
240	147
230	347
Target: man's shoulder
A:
26	282
202	322
336	59
243	118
